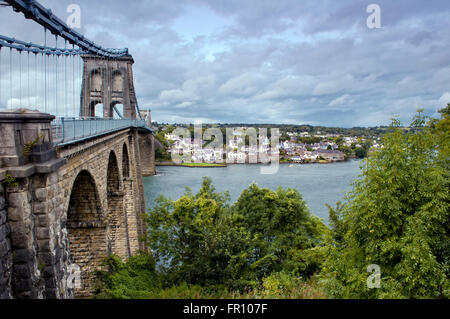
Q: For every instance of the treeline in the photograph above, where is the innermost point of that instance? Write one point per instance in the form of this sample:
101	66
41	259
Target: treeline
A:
377	131
394	223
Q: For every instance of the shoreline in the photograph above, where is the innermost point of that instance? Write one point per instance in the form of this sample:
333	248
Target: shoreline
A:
219	165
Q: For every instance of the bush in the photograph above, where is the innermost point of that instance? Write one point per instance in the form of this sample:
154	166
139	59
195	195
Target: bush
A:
134	279
397	217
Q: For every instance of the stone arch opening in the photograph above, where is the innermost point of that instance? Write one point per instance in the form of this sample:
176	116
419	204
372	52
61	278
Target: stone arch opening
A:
97	109
118	108
86	230
125	162
113	175
117	219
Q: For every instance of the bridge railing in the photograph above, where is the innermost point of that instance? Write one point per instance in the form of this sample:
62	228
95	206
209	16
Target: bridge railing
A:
70	130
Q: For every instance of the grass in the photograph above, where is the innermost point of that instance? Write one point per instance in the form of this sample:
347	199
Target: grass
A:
203	165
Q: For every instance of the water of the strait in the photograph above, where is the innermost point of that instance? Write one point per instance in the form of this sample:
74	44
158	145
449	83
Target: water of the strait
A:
319	184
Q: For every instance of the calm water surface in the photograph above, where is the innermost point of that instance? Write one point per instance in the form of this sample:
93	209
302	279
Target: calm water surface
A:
319	184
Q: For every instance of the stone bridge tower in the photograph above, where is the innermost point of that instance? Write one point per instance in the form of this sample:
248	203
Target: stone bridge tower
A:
108	82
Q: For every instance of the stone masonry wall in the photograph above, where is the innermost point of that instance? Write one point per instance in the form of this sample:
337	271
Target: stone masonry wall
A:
120	201
5	249
49	226
147	154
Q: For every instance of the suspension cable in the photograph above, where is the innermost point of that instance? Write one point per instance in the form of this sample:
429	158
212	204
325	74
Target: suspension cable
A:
10	76
0	75
56	78
36	79
45	71
28	75
20	79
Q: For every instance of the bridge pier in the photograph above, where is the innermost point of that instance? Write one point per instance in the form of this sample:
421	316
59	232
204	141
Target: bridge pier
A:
64	209
147	153
35	258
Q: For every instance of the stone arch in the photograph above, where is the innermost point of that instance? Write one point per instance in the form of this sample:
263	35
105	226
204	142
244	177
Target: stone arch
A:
112	175
117	219
96	109
86	230
125	162
96	81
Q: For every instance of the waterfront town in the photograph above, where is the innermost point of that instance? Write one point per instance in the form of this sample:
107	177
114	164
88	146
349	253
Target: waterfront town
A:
292	147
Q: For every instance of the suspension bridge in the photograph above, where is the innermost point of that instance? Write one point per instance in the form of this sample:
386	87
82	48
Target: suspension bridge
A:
53	78
74	147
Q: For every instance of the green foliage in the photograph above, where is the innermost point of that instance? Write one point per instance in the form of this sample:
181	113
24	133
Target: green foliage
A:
360	152
284	137
268	245
134	279
347	150
309	139
195	240
161	153
335	219
11	181
282	228
397	217
201	240
29	146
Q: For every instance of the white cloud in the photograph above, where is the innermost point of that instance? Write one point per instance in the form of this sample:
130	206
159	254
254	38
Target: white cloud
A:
246	84
337	84
342	100
444	99
270	62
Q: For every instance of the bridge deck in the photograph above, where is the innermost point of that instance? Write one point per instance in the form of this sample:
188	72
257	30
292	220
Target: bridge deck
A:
70	130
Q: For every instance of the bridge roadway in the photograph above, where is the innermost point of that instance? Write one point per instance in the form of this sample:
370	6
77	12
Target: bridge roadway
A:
71	193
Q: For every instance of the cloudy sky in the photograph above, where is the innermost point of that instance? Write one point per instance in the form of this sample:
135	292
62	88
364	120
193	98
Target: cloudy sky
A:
271	61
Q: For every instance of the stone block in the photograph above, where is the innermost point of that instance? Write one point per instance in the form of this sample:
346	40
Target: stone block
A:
44	246
7	261
43	233
5	247
43	221
23	271
24	286
17	200
4	231
21	240
2	201
3	216
23	256
48	272
52	178
40	208
18	214
41	194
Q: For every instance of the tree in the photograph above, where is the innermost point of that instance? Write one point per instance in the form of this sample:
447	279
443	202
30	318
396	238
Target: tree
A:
360	152
201	240
285	232
194	239
284	137
397	217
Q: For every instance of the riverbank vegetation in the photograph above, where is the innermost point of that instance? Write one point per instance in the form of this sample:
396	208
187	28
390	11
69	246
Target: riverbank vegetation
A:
269	245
